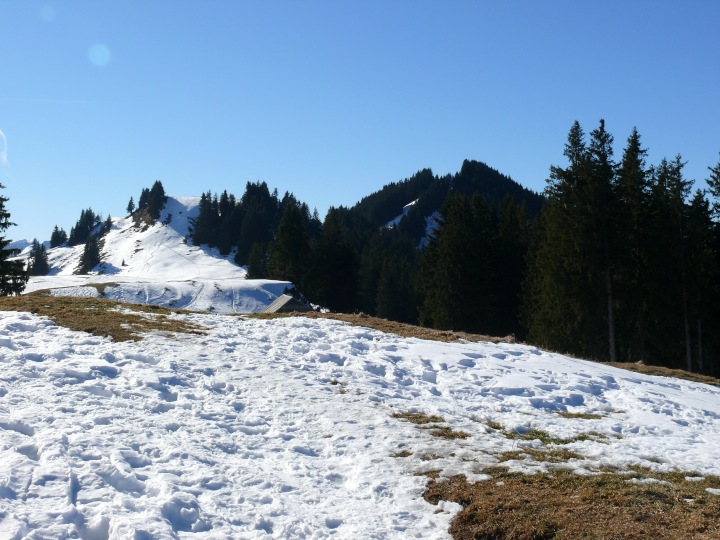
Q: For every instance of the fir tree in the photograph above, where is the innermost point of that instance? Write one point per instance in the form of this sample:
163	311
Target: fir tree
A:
131	206
38	264
556	300
58	237
84	227
457	269
156	199
334	281
290	250
632	223
258	262
90	257
12	273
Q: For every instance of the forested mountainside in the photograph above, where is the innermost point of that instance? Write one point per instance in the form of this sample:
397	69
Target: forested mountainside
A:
618	260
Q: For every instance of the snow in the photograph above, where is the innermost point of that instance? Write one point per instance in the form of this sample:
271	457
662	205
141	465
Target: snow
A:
285	429
393	222
158	265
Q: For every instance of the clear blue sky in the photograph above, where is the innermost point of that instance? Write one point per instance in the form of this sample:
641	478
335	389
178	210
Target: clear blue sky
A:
333	99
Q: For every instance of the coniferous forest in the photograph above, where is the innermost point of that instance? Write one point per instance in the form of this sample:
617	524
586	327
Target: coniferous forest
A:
617	260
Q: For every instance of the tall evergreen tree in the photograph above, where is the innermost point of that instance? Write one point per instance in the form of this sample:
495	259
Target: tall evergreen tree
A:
334	274
555	305
601	213
258	262
38	264
58	237
90	257
131	206
84	227
13	276
632	224
290	250
156	199
457	268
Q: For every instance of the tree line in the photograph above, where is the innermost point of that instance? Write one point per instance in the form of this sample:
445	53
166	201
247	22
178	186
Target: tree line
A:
616	260
624	259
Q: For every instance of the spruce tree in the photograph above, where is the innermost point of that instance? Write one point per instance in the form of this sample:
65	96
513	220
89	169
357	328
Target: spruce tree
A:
13	276
457	268
290	250
58	237
90	257
257	266
556	303
713	182
334	274
38	264
632	223
131	206
156	199
601	214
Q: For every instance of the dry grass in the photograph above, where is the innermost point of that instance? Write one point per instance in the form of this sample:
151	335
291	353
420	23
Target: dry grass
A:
564	506
419	418
120	322
665	372
430	422
391	327
553	455
582	416
545	438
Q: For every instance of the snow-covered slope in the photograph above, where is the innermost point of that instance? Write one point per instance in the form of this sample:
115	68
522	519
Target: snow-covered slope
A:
157	264
285	429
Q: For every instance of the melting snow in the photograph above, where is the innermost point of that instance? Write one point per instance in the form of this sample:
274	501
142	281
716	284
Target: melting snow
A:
284	428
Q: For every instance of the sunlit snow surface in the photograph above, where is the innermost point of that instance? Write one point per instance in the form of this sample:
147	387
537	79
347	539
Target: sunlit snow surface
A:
159	265
284	428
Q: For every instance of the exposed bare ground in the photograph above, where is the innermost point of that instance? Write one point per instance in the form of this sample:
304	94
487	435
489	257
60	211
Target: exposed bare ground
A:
121	322
565	506
610	504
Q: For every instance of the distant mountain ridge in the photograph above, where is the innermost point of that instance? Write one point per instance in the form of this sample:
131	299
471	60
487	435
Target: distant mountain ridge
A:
428	192
197	252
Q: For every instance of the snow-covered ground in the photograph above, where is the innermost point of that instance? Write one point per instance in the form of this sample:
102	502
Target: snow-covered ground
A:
158	265
285	428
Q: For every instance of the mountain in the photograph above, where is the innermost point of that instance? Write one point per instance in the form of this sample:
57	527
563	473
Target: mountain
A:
414	203
156	264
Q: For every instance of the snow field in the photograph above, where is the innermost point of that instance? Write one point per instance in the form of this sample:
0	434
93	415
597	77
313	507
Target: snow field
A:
156	265
284	428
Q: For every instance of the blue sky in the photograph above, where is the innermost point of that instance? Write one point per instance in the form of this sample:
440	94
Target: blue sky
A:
332	100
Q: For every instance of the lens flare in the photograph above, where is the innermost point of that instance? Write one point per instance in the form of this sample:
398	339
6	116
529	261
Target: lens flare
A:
99	55
47	13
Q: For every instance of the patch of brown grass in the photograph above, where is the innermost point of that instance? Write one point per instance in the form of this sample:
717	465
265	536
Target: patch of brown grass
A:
418	417
444	432
553	455
665	372
120	322
390	327
582	416
564	506
430	422
545	438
